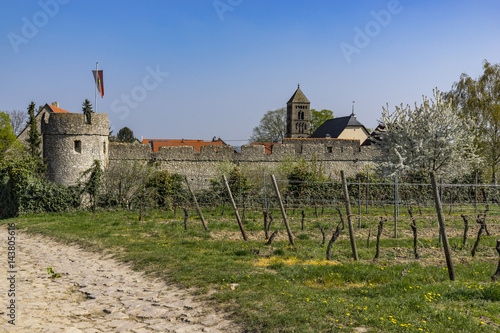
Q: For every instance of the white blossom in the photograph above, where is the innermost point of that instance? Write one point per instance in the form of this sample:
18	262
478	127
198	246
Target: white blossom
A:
429	137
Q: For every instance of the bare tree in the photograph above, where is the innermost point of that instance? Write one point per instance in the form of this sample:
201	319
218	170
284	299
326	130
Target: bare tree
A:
18	120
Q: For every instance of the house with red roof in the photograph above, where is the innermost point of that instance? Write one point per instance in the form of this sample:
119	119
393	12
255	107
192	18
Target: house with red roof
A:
53	108
155	144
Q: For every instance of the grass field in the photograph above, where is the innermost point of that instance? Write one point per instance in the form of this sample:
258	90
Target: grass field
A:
279	288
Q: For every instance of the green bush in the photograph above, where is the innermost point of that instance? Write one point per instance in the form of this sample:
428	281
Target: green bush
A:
167	189
23	190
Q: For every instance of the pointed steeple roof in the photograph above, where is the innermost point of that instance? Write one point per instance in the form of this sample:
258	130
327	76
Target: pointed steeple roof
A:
298	97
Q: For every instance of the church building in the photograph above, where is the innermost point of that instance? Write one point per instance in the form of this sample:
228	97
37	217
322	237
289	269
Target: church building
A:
298	123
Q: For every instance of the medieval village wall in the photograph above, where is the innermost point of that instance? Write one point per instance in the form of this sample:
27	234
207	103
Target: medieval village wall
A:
332	155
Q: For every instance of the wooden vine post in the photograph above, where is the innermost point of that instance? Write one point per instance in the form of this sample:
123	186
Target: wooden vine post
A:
196	204
234	207
442	229
349	220
283	212
265	225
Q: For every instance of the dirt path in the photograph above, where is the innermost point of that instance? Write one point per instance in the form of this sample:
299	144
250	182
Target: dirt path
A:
93	294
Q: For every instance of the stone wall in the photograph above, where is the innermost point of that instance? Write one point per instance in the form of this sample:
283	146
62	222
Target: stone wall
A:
332	154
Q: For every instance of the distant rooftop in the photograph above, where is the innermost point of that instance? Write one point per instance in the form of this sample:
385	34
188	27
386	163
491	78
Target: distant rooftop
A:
334	127
155	144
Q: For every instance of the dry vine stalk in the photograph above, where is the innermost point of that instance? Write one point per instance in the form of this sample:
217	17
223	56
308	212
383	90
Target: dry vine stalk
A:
271	219
379	232
322	233
303	218
479	233
186	217
484	219
341	218
335	235
413	225
497	273
273	236
466	229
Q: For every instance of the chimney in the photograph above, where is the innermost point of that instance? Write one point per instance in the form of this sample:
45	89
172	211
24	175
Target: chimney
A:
56	104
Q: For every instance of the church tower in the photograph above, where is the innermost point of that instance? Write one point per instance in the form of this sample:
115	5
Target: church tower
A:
298	116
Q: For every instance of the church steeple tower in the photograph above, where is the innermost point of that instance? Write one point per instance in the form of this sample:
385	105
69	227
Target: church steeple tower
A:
298	116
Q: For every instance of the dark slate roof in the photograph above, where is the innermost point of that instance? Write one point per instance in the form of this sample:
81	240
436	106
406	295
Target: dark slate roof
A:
335	126
298	97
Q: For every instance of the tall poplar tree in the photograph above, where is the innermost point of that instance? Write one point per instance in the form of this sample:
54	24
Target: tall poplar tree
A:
34	136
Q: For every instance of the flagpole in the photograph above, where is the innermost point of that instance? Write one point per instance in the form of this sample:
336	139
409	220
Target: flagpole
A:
96	80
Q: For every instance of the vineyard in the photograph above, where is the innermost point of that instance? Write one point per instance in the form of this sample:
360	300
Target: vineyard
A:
289	255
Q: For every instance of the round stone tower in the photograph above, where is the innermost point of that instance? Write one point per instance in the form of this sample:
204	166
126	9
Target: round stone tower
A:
71	143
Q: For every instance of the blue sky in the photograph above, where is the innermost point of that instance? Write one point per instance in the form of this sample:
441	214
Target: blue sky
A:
196	69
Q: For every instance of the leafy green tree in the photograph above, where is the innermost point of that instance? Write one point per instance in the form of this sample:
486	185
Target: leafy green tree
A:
429	137
34	136
7	136
479	100
87	109
125	135
319	117
272	127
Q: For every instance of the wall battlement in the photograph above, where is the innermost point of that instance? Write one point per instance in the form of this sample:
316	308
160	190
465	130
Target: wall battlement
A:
75	124
334	155
342	150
